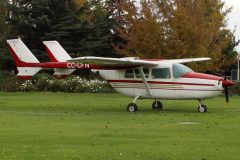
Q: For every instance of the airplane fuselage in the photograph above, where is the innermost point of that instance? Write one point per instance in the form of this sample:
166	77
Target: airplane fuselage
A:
189	85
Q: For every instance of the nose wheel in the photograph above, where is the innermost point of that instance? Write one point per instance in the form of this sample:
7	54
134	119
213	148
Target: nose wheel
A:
202	108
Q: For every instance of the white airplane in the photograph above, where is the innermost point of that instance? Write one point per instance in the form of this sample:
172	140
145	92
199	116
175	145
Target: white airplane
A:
131	76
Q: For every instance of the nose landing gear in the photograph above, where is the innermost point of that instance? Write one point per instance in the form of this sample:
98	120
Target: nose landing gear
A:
202	108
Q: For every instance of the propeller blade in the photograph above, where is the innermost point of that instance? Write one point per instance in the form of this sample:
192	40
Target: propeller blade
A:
226	94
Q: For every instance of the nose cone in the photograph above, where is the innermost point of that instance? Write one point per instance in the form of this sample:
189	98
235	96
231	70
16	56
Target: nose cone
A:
227	83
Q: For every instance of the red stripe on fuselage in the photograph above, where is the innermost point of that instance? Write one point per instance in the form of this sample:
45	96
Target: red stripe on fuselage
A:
158	82
201	76
174	89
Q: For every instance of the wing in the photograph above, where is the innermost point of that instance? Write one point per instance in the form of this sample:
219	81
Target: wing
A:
187	60
130	61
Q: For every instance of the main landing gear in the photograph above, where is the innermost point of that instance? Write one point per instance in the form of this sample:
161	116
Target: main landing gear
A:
202	108
132	107
157	105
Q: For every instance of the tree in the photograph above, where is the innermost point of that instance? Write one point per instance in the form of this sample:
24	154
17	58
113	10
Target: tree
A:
97	37
178	29
116	16
82	27
3	13
79	3
141	31
5	58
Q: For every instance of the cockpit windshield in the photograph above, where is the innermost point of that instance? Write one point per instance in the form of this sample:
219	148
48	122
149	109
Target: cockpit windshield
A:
179	70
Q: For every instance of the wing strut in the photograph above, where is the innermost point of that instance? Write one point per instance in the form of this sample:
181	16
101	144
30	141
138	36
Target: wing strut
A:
145	81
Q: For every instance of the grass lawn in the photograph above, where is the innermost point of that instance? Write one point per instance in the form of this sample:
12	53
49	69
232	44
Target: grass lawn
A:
54	126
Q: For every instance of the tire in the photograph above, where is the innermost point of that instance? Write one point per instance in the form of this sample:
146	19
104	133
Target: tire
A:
132	107
157	105
202	108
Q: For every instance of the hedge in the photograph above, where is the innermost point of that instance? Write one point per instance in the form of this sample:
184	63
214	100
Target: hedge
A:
45	82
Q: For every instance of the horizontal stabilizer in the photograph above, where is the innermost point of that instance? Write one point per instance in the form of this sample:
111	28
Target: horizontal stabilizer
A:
62	73
26	73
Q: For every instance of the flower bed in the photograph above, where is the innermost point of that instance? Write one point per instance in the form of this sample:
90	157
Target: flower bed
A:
45	82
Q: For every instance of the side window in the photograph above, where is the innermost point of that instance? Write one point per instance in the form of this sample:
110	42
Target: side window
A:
129	74
146	72
179	70
138	74
161	73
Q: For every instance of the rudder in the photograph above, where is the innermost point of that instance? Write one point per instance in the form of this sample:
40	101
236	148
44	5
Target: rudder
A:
57	53
26	62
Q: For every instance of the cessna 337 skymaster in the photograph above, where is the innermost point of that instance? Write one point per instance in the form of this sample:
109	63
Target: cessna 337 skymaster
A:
133	77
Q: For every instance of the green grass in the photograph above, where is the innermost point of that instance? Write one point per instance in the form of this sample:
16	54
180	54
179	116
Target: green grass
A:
54	126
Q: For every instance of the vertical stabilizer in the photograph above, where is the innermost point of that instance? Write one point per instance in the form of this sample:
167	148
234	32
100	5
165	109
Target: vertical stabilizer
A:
23	58
57	53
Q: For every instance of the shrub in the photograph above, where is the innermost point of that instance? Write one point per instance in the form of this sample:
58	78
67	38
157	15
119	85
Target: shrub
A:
28	86
42	82
9	83
235	89
45	82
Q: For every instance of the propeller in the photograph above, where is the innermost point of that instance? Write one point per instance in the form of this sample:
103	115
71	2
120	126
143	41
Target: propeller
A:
226	83
226	94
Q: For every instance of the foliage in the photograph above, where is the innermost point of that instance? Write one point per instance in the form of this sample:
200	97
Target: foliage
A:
74	84
148	29
79	3
9	83
45	82
179	29
5	58
3	13
82	27
116	16
235	89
